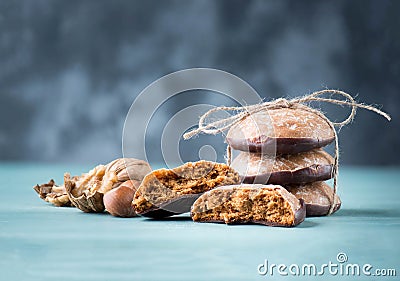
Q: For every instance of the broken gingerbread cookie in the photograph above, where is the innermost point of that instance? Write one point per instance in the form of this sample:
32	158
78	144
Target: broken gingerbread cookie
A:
167	192
270	205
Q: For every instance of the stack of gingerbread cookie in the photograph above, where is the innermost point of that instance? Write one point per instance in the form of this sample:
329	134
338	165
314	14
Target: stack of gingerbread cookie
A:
283	146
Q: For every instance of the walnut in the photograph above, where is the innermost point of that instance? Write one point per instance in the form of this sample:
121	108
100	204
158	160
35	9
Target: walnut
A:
129	169
86	191
54	194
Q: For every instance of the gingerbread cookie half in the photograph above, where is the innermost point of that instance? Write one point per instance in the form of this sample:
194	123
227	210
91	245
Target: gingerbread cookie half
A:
318	197
167	192
310	166
270	205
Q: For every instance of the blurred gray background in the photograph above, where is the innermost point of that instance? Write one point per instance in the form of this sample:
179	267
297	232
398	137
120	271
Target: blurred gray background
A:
69	70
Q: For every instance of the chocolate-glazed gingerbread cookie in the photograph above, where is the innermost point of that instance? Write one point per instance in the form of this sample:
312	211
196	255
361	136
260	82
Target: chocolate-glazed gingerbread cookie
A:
310	166
286	129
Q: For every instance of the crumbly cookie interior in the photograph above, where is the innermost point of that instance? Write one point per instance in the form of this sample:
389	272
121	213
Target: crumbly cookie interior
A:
244	205
164	185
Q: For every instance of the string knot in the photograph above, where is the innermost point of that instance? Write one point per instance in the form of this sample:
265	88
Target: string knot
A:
284	103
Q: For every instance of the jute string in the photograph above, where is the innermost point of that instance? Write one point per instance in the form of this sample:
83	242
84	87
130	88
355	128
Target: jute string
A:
241	113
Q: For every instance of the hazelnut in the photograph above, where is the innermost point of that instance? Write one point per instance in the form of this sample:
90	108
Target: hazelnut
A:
118	201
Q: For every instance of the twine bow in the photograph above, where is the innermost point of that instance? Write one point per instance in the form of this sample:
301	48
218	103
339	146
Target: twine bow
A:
223	124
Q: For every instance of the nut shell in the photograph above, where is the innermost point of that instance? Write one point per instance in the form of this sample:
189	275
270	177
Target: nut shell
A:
54	194
86	192
129	169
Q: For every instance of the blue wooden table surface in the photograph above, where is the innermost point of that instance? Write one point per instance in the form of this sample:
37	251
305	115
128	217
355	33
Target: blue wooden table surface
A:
42	242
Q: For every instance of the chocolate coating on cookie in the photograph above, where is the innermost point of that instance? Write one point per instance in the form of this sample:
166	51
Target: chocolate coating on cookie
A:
287	130
310	166
317	197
